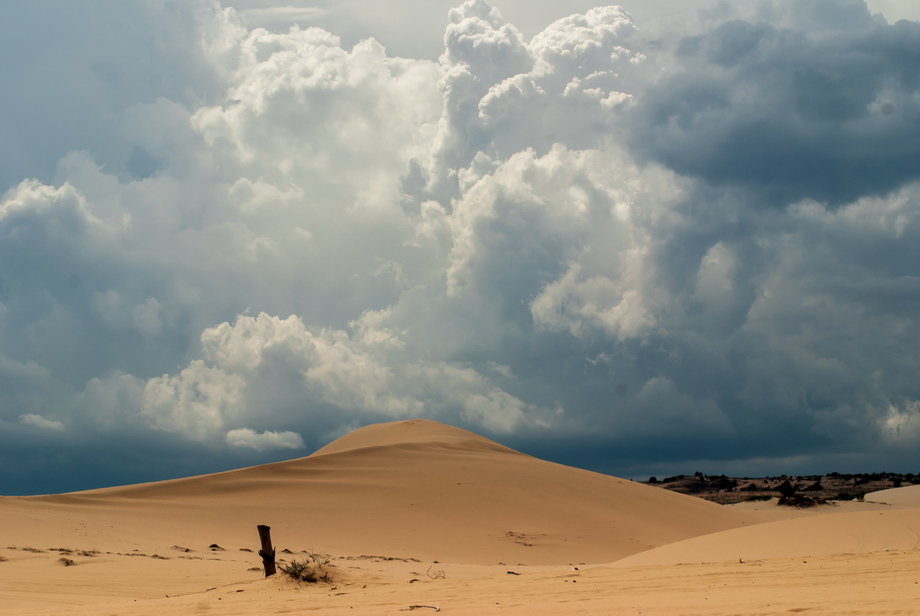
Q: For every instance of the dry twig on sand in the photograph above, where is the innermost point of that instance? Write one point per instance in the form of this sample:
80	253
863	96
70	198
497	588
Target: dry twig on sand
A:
437	575
430	607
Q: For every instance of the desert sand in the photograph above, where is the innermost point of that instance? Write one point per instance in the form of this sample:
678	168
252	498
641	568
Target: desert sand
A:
425	518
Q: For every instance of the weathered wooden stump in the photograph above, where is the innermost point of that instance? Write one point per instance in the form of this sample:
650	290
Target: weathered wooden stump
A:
267	552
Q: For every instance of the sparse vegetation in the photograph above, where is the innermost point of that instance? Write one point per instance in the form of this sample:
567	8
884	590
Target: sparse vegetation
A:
313	569
789	496
811	489
786	490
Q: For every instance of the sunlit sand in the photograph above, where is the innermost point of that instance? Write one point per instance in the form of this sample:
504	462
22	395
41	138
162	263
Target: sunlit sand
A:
417	516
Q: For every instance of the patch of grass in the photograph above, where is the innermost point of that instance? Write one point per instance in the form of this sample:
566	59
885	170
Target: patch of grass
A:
312	569
66	562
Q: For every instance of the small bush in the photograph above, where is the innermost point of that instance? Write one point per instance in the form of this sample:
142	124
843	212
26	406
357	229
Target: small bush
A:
789	497
313	569
786	491
758	497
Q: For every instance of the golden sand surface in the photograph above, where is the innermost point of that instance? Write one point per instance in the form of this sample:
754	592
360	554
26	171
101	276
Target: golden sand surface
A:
420	517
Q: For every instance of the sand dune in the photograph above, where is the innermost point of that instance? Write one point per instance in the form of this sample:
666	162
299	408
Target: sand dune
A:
397	505
887	520
414	489
814	535
906	497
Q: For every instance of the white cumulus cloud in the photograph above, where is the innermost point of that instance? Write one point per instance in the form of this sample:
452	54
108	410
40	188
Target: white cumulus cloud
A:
30	419
264	441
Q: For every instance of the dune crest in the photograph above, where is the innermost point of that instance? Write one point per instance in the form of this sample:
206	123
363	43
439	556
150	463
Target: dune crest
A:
411	432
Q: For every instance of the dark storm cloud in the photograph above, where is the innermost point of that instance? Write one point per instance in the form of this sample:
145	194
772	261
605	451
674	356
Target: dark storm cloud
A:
788	112
69	76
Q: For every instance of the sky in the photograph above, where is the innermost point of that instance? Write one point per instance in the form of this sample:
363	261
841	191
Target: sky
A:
651	239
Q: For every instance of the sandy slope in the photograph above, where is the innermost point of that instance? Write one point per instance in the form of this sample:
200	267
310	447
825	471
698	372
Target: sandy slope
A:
887	520
387	501
896	497
414	489
821	535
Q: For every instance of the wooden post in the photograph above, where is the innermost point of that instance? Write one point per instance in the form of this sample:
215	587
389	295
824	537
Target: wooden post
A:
267	552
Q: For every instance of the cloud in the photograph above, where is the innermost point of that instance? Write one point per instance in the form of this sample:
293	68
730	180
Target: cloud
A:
72	86
38	421
789	109
323	378
503	95
262	441
622	250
